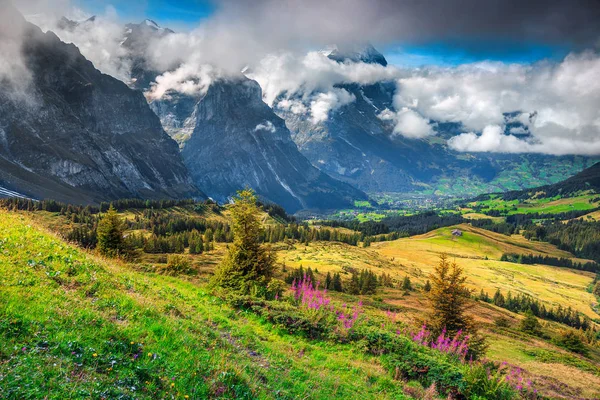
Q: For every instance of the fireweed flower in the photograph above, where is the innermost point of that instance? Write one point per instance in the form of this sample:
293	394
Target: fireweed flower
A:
315	300
457	345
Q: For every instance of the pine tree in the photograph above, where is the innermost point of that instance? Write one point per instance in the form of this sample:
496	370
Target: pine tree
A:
337	282
530	324
427	287
449	298
406	284
498	298
353	286
248	265
110	233
328	281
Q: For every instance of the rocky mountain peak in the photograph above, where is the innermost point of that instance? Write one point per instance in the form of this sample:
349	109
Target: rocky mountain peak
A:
83	136
356	53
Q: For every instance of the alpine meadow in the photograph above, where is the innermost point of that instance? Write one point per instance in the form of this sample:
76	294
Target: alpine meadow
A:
300	199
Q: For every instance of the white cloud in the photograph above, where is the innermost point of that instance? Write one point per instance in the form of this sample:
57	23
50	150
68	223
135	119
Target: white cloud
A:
492	139
188	79
290	74
559	103
295	106
324	103
266	126
408	123
518	130
99	40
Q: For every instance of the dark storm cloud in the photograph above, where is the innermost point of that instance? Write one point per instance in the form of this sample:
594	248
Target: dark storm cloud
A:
568	22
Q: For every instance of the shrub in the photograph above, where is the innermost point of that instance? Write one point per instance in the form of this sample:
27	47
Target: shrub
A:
502	322
572	340
275	289
530	324
458	345
176	264
317	305
482	383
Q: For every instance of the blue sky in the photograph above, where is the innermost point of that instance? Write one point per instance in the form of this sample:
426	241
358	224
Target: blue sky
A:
470	51
176	14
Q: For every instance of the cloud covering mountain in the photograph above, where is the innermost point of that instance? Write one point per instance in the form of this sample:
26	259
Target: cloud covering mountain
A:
557	102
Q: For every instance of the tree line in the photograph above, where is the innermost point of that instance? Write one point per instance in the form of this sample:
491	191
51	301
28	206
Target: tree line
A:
526	303
547	260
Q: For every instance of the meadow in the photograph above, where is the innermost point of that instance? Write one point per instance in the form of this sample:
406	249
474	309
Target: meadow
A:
91	326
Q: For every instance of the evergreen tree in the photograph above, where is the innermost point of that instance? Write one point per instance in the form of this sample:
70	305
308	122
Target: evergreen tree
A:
110	233
498	298
353	286
406	284
337	282
328	281
247	266
530	324
427	287
449	298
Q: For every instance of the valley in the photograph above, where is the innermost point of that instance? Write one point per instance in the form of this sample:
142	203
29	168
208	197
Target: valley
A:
248	339
299	200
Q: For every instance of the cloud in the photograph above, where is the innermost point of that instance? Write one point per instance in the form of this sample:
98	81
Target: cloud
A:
266	126
189	79
291	74
492	139
324	103
408	123
15	77
556	102
99	40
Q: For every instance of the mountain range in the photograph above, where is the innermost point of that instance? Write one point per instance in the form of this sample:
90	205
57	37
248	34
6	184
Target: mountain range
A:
75	134
85	136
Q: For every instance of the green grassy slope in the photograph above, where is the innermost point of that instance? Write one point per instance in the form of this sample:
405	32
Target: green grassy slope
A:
75	326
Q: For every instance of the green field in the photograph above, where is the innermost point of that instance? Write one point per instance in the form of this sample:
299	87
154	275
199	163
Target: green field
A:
75	325
552	205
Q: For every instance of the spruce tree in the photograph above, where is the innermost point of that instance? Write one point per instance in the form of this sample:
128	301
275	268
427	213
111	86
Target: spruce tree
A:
110	233
248	265
427	287
337	282
530	324
449	299
406	284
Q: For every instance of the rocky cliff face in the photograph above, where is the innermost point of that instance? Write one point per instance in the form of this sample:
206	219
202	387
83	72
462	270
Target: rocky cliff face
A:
75	134
238	141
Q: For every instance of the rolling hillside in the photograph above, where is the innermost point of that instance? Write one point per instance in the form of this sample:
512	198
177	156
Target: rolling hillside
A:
74	325
72	295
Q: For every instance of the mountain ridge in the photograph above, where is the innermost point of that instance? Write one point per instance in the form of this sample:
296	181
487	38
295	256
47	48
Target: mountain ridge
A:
81	135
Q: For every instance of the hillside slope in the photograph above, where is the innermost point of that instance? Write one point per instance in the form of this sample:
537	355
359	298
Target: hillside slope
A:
72	325
586	180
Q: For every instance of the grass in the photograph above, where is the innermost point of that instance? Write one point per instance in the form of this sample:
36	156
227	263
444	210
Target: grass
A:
72	324
61	305
553	285
553	205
